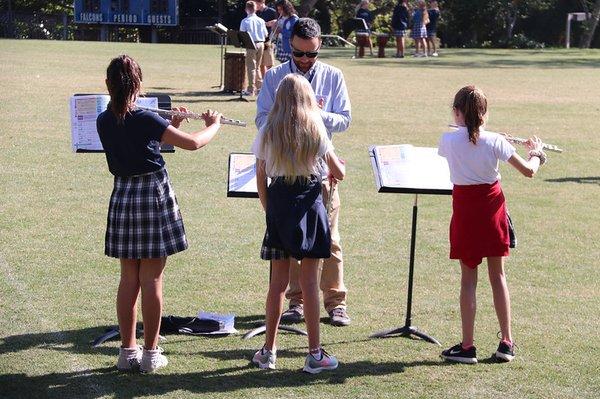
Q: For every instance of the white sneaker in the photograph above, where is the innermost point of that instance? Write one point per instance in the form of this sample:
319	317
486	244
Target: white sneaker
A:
265	359
152	360
434	54
129	358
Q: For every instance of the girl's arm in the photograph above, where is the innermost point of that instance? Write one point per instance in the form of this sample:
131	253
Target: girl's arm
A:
261	182
530	167
336	167
192	141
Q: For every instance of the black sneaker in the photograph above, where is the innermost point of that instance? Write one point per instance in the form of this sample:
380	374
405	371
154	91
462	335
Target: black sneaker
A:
460	355
339	317
295	314
505	352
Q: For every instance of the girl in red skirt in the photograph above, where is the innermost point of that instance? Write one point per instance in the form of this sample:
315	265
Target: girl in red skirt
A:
479	225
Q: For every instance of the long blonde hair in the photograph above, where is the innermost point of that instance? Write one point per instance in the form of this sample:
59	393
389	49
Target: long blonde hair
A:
294	131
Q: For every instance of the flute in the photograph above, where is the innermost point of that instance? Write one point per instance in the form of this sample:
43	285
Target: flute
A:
191	115
522	141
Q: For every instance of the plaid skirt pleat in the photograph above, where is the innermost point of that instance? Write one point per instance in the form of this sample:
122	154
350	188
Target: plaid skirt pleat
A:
144	220
280	54
419	32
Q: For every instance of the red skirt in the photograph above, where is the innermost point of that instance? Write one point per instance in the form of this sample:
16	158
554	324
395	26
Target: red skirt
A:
479	225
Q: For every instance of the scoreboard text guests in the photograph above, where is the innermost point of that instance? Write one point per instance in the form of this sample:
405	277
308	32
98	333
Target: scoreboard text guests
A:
127	12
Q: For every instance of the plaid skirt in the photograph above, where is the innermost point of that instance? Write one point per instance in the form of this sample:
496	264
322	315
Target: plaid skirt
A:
419	33
280	54
144	220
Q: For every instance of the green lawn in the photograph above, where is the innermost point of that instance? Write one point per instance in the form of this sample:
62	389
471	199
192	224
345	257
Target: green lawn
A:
57	289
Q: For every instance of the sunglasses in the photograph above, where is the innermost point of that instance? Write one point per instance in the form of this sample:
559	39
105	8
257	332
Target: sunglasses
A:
309	54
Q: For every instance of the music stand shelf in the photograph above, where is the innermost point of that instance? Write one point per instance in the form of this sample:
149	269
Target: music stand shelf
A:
241	183
438	186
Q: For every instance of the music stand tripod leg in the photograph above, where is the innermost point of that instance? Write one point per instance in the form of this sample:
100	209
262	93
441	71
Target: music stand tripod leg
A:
263	328
408	329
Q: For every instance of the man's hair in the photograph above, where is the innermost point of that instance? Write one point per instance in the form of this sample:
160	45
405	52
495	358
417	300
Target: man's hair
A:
306	28
250	5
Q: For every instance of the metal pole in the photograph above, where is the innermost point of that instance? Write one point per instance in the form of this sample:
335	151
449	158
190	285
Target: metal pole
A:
411	265
568	34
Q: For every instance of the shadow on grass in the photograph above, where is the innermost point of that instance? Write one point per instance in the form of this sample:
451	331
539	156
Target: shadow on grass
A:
99	382
580	180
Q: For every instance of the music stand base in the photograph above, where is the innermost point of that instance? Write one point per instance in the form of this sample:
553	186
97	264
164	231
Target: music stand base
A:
240	98
262	329
406	331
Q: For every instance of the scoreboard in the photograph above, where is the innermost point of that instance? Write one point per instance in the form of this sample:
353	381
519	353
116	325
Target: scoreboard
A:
127	12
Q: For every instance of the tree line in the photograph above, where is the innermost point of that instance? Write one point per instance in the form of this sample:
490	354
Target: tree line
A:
464	23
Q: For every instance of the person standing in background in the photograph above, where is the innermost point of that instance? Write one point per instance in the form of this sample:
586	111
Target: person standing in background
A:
420	20
257	30
289	17
362	12
434	15
269	15
400	19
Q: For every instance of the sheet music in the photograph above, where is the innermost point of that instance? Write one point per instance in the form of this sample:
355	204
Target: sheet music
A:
242	173
85	111
406	166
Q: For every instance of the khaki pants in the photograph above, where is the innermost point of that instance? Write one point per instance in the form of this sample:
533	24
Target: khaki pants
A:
253	60
268	57
335	293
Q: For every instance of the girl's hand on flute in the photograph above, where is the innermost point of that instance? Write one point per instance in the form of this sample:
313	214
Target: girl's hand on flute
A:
176	120
534	144
211	117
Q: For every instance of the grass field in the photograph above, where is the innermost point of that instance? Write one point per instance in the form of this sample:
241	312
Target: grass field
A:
57	288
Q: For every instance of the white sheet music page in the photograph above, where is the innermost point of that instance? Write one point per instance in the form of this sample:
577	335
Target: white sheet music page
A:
85	111
242	173
406	166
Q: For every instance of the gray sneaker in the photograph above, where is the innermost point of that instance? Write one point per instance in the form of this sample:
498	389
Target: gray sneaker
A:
129	358
326	362
339	317
265	359
295	314
152	360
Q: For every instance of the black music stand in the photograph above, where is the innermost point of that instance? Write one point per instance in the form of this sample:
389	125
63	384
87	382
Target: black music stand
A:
242	184
412	185
240	40
221	31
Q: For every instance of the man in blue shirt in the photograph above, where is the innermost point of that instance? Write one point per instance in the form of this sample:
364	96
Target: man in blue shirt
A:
269	15
332	95
257	30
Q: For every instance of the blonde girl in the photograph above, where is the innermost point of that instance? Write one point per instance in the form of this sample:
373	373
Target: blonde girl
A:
292	149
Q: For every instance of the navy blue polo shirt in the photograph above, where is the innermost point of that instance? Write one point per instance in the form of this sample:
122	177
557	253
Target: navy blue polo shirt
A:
433	19
267	14
366	15
133	147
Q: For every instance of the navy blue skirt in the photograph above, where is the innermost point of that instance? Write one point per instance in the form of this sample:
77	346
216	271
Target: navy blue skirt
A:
297	222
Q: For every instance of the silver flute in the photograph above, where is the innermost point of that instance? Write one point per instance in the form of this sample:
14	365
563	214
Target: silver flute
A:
191	115
519	140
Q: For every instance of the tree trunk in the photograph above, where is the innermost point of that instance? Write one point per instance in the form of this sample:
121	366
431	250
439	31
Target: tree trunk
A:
305	7
590	26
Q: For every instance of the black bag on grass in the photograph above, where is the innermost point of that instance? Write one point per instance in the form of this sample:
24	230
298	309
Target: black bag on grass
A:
188	325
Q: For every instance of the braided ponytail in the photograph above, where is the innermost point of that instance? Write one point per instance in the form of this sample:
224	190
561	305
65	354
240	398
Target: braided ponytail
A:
472	103
124	82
